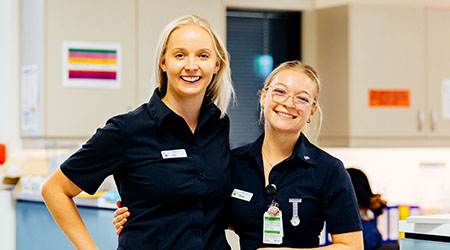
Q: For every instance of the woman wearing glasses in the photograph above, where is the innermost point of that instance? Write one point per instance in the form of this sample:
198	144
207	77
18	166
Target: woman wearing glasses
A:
285	188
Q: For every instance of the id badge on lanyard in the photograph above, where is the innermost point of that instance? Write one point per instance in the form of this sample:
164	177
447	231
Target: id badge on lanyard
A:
273	225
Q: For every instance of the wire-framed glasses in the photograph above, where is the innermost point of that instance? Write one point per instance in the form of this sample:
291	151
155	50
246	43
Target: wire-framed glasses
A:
280	95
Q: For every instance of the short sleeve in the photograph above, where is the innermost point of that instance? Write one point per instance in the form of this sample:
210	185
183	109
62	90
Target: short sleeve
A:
98	158
341	209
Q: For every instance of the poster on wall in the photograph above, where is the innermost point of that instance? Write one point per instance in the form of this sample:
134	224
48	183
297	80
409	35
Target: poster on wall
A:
391	98
446	99
91	65
30	97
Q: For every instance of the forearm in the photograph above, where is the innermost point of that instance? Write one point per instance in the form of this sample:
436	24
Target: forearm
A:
332	246
345	241
341	246
65	213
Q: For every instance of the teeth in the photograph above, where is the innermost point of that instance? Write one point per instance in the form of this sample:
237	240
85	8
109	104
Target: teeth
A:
190	78
285	115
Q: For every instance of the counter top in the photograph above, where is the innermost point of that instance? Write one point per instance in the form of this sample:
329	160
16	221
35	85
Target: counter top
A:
86	202
438	225
430	219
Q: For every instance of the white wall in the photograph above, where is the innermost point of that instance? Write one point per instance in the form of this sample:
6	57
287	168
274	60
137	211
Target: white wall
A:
9	75
8	225
9	108
419	176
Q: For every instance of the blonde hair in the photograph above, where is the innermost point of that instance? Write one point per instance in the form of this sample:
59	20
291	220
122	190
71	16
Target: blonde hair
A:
312	74
220	90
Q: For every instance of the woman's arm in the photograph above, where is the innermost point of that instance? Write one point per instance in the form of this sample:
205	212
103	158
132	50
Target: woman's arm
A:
58	192
344	241
352	240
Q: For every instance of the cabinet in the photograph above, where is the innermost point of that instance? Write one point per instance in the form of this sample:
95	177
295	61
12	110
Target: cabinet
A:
66	112
36	229
75	113
437	68
364	47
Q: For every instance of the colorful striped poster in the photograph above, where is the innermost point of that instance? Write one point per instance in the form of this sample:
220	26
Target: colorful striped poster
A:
91	65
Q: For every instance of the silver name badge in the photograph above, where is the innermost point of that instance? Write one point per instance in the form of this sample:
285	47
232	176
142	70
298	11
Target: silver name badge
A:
175	153
242	195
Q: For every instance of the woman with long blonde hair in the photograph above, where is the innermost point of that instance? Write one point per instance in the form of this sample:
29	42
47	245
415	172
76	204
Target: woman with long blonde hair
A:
169	157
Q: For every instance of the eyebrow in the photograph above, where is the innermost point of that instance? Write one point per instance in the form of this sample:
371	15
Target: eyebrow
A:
202	49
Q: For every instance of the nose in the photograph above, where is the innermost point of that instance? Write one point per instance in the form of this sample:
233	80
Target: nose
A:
191	64
290	101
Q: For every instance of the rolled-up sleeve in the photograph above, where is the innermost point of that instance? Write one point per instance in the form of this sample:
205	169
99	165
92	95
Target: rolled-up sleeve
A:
98	158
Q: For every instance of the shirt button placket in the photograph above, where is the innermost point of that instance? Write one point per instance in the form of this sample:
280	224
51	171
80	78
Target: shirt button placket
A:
199	213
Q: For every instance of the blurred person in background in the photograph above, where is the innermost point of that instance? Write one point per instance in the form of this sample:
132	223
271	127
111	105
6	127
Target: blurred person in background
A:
369	202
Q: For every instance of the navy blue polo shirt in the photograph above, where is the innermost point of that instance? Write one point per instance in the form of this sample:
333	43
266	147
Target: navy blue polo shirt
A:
175	202
310	174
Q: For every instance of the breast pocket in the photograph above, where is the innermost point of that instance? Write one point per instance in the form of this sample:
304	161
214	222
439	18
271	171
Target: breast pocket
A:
244	213
309	212
145	170
158	178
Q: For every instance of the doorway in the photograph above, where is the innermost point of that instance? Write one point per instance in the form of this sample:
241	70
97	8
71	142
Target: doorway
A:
258	41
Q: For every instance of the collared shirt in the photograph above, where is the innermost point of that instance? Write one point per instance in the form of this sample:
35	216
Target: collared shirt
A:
310	174
175	202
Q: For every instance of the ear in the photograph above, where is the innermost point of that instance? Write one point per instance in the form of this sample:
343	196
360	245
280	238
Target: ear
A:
217	67
262	99
162	64
313	111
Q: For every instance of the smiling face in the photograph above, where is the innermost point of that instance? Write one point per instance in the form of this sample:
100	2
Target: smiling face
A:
190	61
288	116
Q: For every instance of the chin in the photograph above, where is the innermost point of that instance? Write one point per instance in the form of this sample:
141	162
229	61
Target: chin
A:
193	91
285	129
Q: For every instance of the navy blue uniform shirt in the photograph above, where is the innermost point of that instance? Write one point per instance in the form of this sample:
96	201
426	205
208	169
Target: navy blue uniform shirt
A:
310	174
371	235
175	203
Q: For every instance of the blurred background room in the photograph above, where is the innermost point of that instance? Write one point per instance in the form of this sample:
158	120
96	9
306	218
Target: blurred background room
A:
385	67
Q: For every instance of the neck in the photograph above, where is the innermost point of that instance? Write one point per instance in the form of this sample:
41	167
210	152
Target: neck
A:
188	108
278	146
